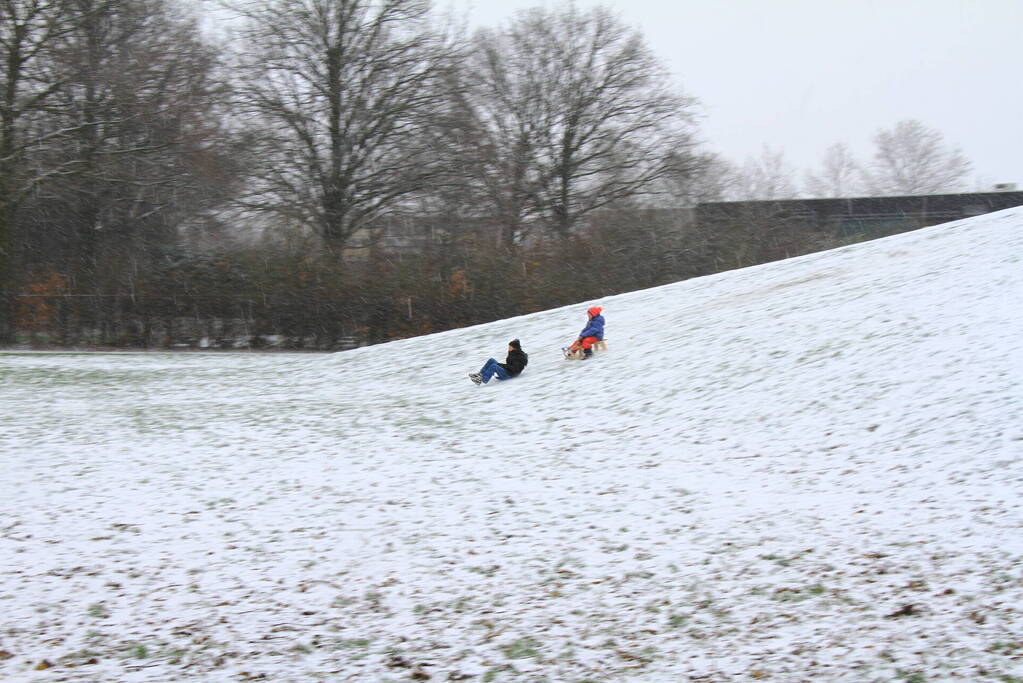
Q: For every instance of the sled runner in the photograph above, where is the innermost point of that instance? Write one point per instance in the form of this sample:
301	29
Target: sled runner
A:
575	351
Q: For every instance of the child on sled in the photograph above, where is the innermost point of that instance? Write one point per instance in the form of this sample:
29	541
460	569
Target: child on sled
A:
582	348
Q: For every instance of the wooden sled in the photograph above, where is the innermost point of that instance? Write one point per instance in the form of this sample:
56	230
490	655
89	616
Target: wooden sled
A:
575	351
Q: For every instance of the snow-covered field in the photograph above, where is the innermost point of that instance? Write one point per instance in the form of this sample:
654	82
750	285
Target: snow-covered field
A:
809	470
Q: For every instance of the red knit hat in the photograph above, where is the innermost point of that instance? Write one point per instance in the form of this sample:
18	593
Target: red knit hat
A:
595	311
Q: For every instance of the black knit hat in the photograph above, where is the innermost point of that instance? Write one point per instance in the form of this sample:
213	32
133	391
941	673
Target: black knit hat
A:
514	343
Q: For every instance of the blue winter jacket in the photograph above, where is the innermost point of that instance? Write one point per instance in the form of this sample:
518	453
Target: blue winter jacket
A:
594	328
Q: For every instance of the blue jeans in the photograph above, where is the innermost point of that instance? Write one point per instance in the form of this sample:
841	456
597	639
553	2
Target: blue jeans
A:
491	368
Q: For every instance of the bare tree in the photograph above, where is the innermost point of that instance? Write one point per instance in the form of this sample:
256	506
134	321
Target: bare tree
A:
913	159
29	31
574	113
138	107
839	175
495	140
713	180
114	143
765	177
343	96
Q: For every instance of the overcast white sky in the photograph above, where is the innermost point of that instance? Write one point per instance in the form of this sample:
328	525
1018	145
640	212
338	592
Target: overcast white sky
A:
800	75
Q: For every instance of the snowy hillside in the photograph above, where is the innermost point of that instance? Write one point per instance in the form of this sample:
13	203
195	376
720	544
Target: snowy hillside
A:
808	470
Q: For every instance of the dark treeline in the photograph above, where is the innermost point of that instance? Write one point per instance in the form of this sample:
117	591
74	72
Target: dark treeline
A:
340	172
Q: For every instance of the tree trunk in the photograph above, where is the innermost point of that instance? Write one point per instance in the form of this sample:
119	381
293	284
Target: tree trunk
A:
7	279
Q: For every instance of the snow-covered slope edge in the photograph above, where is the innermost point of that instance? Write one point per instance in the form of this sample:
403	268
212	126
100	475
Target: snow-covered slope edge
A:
805	470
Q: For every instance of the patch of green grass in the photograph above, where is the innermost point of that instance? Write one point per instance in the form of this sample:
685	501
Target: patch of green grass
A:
523	648
460	605
783	561
80	656
797	594
639	575
485	571
353	643
98	610
1006	647
569	561
778	559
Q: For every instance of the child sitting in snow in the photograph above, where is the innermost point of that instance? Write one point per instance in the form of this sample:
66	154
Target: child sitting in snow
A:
513	365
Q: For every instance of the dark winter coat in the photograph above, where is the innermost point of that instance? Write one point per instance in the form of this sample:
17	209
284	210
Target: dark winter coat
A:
515	363
594	328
